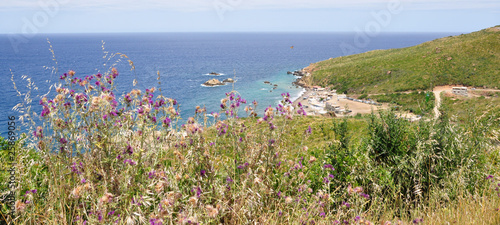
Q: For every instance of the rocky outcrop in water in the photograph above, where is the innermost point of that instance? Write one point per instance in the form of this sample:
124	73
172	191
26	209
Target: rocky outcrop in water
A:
213	82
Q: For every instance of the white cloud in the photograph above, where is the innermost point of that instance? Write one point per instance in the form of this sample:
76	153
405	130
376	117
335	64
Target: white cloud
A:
202	5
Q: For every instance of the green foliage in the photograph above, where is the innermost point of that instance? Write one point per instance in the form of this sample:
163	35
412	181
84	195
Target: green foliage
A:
363	96
470	59
411	161
420	103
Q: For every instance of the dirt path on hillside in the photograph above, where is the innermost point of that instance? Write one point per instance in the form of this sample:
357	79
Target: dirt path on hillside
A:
472	92
437	104
437	95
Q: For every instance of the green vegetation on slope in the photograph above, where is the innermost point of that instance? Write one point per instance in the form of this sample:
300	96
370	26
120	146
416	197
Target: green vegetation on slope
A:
468	59
472	110
420	103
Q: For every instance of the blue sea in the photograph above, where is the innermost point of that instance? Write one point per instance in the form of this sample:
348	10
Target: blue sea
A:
183	60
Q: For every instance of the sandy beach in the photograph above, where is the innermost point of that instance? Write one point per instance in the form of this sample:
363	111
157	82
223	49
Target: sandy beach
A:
310	95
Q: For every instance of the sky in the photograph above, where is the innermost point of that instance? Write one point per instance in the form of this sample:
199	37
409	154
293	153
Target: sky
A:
109	16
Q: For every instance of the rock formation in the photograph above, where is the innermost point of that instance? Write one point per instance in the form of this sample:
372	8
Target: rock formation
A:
213	82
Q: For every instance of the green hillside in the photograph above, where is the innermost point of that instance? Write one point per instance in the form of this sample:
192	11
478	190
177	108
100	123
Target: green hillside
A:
468	59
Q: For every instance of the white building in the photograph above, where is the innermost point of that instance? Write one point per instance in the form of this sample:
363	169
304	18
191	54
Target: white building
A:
459	91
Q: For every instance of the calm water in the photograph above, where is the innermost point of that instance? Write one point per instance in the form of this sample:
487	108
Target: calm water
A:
183	60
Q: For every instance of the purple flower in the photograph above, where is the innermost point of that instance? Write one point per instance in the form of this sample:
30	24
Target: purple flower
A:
365	195
203	173
309	130
83	180
151	174
155	222
357	218
198	191
416	221
166	122
45	111
489	177
110	213
229	180
347	205
328	166
74	168
63	141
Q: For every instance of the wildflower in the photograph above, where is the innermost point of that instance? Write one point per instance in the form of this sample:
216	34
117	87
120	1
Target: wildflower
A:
328	166
312	159
87	187
151	174
75	193
203	173
83	181
38	132
347	205
212	212
301	175
160	186
365	195
309	130
193	200
489	177
20	206
106	198
114	72
358	190
417	221
288	200
166	122
155	221
75	168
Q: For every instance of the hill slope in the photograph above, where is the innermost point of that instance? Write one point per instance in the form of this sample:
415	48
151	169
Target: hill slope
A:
468	59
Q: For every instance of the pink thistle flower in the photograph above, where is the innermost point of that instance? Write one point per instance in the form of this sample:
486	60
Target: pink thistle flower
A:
63	141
